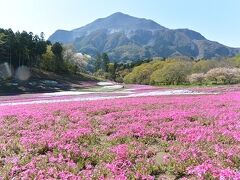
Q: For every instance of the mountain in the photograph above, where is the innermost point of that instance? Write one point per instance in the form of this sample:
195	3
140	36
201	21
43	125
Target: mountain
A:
125	37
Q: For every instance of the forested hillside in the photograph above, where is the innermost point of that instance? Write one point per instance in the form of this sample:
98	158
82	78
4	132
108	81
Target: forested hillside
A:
19	49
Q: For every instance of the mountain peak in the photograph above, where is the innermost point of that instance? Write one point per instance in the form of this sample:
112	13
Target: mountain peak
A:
121	22
119	14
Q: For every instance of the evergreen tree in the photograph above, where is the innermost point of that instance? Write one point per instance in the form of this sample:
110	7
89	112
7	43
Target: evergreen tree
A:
57	50
98	63
105	62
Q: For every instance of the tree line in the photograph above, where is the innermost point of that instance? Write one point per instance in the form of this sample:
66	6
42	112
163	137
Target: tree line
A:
21	48
31	50
105	68
185	72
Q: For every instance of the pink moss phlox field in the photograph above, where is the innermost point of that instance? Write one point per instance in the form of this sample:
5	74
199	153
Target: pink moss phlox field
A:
185	137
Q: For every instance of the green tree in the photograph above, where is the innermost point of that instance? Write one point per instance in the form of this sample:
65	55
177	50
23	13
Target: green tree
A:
140	74
48	62
2	38
112	70
173	73
98	63
203	66
57	50
235	61
105	62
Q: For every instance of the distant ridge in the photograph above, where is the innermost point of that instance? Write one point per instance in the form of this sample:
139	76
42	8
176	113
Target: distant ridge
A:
125	38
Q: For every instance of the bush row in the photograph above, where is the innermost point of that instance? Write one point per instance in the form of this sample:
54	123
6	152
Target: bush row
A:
178	71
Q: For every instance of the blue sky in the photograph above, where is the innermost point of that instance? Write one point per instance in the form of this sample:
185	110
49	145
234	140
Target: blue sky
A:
217	20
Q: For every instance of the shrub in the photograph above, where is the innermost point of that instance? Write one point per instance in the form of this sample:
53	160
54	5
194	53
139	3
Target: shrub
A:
203	66
235	61
178	71
140	74
173	73
223	76
196	78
